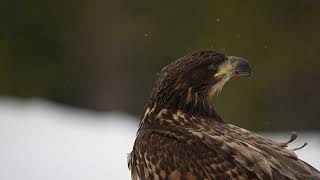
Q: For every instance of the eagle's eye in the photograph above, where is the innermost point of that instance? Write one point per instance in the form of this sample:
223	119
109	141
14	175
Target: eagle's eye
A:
213	67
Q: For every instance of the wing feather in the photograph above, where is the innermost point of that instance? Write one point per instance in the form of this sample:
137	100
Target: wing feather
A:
215	151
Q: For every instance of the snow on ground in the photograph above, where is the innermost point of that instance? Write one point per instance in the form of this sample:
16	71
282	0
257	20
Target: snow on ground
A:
44	141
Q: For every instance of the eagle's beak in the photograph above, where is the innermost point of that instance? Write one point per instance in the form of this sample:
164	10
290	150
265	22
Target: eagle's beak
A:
234	66
240	66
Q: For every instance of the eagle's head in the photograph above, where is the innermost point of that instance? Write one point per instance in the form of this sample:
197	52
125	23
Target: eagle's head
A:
189	83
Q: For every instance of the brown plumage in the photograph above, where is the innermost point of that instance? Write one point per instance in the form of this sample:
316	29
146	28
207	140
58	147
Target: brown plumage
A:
181	136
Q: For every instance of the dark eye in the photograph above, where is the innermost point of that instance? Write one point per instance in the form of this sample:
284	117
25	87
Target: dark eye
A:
212	67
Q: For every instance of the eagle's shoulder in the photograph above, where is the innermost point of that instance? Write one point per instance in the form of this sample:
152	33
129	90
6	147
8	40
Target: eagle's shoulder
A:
157	156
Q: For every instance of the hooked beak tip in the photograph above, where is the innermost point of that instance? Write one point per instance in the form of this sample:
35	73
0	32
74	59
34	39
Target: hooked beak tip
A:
240	66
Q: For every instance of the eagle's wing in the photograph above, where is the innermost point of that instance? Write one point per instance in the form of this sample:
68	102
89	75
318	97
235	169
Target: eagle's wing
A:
161	154
269	158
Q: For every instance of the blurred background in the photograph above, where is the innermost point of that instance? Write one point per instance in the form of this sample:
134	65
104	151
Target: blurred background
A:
89	65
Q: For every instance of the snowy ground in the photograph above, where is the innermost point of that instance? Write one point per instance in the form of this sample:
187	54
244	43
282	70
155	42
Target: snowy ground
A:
44	141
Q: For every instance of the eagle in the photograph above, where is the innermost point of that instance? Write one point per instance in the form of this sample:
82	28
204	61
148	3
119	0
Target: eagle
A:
182	137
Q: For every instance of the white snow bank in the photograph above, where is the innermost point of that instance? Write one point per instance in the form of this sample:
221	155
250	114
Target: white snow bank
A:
44	141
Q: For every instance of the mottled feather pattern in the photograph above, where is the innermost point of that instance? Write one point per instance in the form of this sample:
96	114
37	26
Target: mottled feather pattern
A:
212	150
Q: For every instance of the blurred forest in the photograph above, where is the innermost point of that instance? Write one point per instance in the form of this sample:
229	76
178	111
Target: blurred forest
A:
104	55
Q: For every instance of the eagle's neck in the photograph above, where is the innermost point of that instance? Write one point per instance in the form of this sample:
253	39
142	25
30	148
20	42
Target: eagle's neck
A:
189	101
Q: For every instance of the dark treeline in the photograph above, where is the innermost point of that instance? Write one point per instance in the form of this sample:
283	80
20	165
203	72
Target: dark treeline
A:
104	55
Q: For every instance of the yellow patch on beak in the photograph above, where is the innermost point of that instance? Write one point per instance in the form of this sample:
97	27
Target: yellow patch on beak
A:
225	69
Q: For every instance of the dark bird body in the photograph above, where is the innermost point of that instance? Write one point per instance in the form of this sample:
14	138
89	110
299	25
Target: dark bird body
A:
181	136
